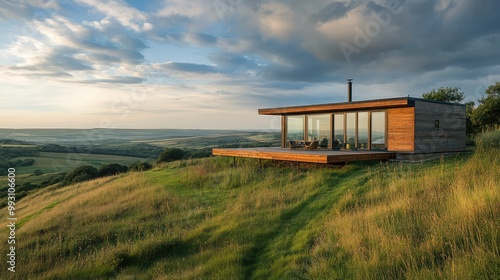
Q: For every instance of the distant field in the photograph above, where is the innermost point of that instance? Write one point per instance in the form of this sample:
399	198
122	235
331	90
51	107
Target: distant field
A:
210	141
17	146
79	136
65	162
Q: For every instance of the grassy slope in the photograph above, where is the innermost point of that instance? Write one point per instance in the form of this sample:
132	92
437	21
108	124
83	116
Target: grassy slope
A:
203	219
65	162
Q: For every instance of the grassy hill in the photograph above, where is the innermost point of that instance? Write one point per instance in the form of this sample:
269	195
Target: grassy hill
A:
203	219
65	162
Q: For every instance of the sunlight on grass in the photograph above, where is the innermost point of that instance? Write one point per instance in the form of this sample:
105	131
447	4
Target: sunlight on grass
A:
204	219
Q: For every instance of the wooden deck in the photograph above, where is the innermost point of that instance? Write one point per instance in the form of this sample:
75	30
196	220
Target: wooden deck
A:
296	155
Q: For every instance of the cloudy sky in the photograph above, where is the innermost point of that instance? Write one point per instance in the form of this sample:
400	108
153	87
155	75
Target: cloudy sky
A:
213	63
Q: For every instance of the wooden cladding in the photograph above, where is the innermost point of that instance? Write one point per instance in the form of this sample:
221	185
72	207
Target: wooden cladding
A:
415	129
401	129
449	136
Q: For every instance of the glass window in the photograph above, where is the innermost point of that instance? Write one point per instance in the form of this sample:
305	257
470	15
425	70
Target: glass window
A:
319	128
338	131
378	131
295	127
350	131
363	130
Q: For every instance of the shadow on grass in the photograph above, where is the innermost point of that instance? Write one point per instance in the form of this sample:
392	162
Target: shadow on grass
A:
296	220
148	256
293	219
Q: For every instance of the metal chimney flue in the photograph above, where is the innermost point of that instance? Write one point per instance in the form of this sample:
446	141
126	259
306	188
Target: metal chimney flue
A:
349	90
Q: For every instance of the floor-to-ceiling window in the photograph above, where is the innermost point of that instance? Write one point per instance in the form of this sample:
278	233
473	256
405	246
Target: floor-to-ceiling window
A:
350	131
363	131
338	131
378	128
295	127
353	130
319	128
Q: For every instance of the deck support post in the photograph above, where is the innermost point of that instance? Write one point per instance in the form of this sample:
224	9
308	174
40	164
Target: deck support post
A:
234	161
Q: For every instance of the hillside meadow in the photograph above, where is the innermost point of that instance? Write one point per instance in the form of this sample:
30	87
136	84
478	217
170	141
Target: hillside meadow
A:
204	219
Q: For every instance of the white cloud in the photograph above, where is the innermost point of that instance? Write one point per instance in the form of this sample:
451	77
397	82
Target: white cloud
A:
278	21
248	55
28	9
63	49
27	49
193	8
126	15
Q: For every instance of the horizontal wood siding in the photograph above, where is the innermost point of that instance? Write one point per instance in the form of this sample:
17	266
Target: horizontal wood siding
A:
450	137
401	129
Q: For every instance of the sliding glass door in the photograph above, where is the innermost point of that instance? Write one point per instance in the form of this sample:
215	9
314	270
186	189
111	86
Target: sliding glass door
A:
359	130
362	143
350	131
319	128
378	130
295	127
338	131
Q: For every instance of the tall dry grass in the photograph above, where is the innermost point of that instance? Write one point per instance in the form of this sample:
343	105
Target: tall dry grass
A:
205	219
441	222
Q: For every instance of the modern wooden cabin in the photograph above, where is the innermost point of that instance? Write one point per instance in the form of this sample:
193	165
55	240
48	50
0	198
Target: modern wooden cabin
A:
364	130
402	125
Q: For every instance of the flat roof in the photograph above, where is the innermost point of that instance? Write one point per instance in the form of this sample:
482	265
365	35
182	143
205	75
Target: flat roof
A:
350	106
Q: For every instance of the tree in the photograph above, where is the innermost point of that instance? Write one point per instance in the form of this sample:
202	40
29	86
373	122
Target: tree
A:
80	174
487	114
170	155
470	128
37	172
27	162
140	166
448	94
111	169
454	95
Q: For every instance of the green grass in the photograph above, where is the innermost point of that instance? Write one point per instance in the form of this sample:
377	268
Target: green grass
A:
65	162
203	219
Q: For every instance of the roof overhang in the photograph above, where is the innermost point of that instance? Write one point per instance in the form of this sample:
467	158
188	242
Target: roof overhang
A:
345	106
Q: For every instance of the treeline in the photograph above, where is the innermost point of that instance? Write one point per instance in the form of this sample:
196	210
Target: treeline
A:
138	150
14	142
13	152
7	155
25	188
79	174
483	117
88	172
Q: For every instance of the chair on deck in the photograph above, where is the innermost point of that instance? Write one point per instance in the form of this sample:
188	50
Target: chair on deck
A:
323	143
292	144
313	146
